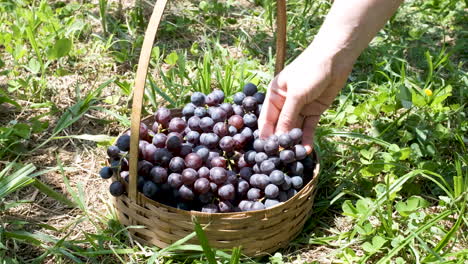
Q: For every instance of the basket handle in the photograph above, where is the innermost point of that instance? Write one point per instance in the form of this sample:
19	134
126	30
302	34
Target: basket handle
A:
142	71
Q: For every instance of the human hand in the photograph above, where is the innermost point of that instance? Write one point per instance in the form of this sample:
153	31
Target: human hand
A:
300	93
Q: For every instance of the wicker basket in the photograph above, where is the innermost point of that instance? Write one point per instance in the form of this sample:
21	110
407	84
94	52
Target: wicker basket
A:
257	232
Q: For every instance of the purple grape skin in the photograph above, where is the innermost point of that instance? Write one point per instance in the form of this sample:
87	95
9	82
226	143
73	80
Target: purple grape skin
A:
206	124
246	173
257	206
250	120
249	103
218	175
219	95
259	145
267	167
193	160
260	97
256	134
242	187
177	124
249	157
300	152
249	89
240	141
155	127
106	173
198	99
225	207
271	147
282	196
227	192
210	208
175	180
236	121
285	141
211	100
297	182
202	185
159	140
185	150
141	146
177	164
227	107
203	152
206	197
256	168
287	156
211	155
123	143
200	112
158	174
150	189
271	191
296	135
238	98
148	152
260	157
277	177
218	162
276	160
189	176
221	129
291	193
227	144
214	187
218	114
254	194
296	168
271	202
247	132
286	185
113	152
245	205
262	181
177	134
238	110
194	123
232	178
174	144
193	137
186	193
144	167
204	172
163	116
188	110
232	130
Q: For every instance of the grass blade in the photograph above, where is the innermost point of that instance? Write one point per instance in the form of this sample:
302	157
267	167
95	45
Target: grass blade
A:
204	242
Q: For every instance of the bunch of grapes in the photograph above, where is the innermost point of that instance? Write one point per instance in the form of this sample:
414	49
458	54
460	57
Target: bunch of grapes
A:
211	158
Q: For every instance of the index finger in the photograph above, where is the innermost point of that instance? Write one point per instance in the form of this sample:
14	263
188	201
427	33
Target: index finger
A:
271	110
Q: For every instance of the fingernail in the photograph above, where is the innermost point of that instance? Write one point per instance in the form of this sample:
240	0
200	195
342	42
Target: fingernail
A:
308	149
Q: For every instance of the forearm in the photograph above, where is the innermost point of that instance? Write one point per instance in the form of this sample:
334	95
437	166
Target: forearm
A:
349	27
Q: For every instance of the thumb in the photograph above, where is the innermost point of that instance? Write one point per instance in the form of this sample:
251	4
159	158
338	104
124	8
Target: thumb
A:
289	114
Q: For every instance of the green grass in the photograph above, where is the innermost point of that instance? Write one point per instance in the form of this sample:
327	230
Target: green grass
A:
393	146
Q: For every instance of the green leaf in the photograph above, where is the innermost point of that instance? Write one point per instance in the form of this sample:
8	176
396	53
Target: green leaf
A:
172	58
349	209
404	96
236	254
51	193
4	99
22	130
61	48
204	242
412	204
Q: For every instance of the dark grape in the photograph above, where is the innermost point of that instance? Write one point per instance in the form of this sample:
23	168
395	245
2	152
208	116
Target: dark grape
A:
227	108
277	177
245	205
238	98
262	181
200	112
271	191
211	155
144	167
227	144
186	193
300	152
123	143
141	147
177	134
194	161
206	124
239	140
192	137
247	132
158	174
113	152
276	160
218	162
203	152
249	89
259	145
106	172
256	168
189	176
197	99
232	130
249	157
296	135
227	192
246	173
238	110
297	182
225	207
174	144
183	206
218	175
257	206
267	167
210	140
283	196
296	168
116	188
236	121
287	156
291	193
177	124
211	99
177	164
242	187
124	175
148	152
159	140
285	141
206	197
210	208
204	172
163	116
260	157
232	178
271	147
214	187
188	110
185	150
249	103
256	134
260	97
201	185
150	189
218	114
144	131
254	194
309	164
221	129
271	202
286	184
175	180
155	127
194	123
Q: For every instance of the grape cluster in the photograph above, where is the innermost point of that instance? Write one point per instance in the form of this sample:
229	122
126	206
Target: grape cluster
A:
212	159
